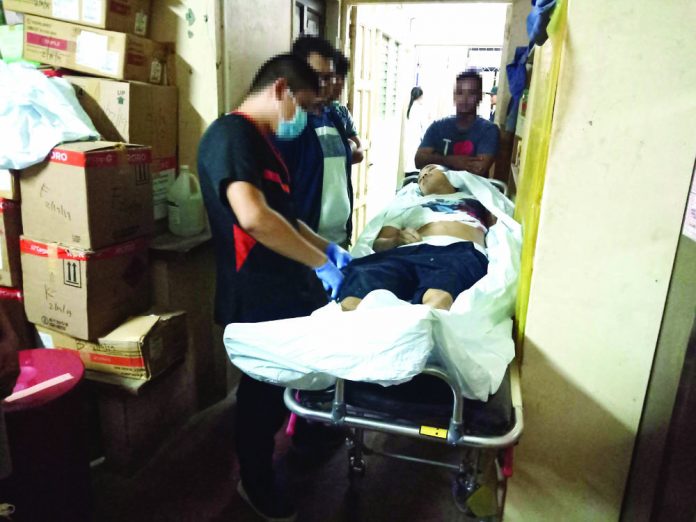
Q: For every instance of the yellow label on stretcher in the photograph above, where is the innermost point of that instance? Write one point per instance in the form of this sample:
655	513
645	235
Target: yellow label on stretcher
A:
440	433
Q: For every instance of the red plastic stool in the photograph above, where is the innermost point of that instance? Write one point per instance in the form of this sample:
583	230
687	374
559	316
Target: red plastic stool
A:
46	429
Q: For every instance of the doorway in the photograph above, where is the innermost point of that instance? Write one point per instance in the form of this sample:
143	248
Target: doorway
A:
394	47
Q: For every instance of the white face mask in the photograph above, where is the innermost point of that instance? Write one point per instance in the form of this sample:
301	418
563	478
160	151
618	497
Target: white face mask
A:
292	128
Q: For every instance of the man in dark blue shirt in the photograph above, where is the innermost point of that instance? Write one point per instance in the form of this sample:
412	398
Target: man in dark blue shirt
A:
266	257
464	141
319	159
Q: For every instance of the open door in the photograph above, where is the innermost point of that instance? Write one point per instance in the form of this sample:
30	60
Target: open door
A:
360	90
376	100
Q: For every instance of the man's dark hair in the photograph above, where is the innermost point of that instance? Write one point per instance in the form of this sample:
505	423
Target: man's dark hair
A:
341	64
471	74
306	45
295	70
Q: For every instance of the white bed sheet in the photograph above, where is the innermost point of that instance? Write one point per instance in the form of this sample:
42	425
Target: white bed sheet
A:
389	341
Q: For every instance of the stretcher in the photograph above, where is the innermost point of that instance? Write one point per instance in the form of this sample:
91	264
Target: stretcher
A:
409	370
431	408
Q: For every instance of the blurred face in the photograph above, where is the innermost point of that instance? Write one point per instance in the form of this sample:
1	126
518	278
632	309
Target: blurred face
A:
432	180
467	96
290	101
324	67
337	88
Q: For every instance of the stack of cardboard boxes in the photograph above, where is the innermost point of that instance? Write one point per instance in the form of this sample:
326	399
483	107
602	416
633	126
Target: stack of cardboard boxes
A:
90	210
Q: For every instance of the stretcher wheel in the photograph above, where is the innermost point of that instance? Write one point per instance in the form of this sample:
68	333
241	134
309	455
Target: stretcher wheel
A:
356	467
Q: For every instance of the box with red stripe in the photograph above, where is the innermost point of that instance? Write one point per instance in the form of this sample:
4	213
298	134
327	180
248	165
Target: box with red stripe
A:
95	51
140	348
89	195
84	293
125	16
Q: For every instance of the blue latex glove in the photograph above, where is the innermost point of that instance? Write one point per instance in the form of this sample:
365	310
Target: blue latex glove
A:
338	256
331	277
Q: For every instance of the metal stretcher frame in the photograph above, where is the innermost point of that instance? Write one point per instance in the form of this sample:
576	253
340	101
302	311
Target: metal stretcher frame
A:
456	435
467	472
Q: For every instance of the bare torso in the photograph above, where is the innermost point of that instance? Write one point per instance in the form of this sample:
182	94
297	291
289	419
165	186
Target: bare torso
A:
452	228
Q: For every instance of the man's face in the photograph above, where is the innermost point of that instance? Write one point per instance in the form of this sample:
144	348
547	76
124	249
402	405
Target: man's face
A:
324	67
467	96
337	88
432	180
289	102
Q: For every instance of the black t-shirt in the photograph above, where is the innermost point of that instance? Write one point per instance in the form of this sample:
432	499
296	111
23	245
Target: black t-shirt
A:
253	282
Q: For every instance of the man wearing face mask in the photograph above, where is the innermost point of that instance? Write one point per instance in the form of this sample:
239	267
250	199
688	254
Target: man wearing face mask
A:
319	158
266	258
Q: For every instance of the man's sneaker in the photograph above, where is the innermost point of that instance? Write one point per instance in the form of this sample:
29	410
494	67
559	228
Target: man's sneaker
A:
269	504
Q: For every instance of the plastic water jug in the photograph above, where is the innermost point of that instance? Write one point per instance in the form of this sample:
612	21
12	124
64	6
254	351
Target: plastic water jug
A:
185	202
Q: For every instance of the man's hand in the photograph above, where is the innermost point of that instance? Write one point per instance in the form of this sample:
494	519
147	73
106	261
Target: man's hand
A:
337	255
331	277
408	236
392	237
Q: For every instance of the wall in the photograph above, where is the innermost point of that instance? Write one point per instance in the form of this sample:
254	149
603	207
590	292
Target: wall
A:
254	31
617	178
194	26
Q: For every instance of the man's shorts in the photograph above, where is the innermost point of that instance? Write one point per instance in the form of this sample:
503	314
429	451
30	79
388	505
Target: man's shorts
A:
409	271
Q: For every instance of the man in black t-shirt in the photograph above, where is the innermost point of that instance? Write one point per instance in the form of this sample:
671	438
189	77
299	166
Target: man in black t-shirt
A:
270	265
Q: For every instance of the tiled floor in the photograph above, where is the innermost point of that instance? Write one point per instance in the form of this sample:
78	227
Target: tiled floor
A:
193	478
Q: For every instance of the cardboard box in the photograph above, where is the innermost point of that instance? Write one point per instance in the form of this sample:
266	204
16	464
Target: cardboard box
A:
183	278
89	194
82	293
141	348
12	307
96	51
9	184
10	231
124	16
134	426
136	112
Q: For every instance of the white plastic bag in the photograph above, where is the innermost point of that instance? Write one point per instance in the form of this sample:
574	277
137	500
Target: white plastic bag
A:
309	352
36	114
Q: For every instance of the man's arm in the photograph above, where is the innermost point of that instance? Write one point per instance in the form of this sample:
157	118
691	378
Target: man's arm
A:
268	227
474	164
356	149
311	236
392	237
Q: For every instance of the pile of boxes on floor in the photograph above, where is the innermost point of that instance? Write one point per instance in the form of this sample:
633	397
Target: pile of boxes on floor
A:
74	246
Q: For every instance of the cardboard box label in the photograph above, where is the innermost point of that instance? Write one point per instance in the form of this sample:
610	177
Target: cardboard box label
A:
140	23
66	10
92	11
105	158
92	51
47	41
